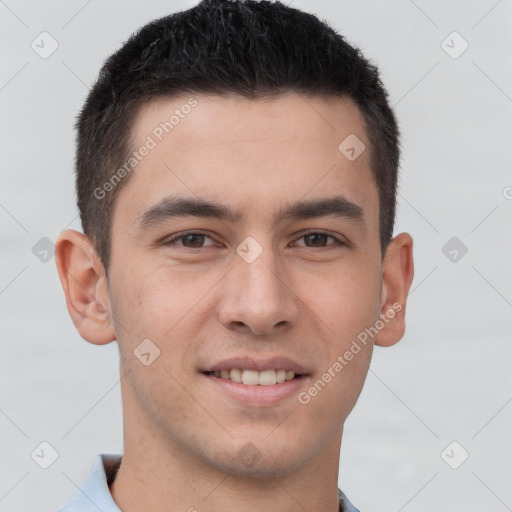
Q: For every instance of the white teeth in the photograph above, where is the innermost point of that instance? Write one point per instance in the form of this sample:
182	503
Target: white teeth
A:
268	378
254	377
235	375
250	377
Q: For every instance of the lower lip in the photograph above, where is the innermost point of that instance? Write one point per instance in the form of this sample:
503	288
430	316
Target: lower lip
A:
258	395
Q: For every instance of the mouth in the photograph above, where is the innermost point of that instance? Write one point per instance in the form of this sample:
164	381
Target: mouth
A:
257	383
248	377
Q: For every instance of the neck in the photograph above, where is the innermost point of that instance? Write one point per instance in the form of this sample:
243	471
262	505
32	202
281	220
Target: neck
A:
157	477
157	473
149	481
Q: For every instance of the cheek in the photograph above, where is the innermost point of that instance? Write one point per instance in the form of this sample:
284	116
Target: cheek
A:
348	303
347	300
164	305
149	301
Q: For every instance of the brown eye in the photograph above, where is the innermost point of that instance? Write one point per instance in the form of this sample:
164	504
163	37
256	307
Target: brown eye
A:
318	239
194	239
189	240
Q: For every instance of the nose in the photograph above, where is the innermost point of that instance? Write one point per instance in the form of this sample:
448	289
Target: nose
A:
257	298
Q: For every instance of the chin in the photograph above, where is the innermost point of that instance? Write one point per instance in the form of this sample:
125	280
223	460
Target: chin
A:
265	469
260	459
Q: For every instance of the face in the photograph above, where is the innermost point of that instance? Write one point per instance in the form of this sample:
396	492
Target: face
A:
280	275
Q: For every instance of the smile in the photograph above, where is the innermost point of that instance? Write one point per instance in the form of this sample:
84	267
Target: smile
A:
255	378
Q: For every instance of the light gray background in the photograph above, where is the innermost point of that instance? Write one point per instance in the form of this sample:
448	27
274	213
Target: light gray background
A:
448	380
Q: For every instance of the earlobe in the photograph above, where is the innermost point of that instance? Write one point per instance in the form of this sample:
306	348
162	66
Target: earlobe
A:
84	283
397	275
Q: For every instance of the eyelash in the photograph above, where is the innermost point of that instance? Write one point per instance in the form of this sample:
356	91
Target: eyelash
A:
180	236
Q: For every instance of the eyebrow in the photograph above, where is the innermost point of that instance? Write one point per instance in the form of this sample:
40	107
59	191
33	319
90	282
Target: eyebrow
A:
173	207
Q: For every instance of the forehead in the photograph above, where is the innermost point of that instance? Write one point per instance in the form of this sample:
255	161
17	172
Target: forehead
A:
248	152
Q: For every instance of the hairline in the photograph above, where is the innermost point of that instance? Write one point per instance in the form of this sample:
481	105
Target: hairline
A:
138	103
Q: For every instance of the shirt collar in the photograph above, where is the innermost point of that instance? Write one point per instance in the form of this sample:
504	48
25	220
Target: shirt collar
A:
95	494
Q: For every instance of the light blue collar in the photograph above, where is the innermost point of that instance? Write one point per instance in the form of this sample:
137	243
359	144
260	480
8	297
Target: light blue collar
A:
95	494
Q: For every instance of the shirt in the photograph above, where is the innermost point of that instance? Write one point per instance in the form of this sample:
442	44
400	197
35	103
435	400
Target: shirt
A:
95	494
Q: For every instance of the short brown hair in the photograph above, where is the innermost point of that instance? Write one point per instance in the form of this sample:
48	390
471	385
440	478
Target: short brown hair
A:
246	47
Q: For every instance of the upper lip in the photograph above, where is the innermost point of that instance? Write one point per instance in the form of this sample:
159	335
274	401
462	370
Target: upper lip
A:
248	363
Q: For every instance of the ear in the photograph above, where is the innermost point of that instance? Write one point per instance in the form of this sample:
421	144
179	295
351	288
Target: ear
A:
397	274
83	279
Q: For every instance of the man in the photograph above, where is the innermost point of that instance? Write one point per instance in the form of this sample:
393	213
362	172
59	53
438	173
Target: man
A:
236	180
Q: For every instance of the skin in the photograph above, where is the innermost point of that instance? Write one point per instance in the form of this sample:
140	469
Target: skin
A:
199	305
